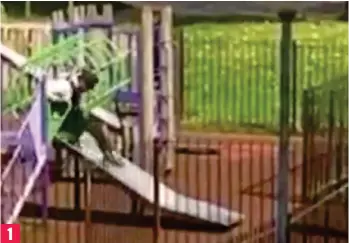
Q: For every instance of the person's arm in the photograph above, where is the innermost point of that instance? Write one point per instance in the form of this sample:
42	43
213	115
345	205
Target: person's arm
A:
59	91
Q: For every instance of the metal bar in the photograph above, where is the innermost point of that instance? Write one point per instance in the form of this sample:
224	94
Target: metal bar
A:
88	194
305	118
299	215
281	209
45	141
294	87
157	209
77	191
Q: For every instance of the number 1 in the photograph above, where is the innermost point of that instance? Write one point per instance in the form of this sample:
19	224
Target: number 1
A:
9	233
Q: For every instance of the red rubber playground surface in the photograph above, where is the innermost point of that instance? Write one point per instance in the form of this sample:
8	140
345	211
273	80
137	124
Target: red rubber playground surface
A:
224	178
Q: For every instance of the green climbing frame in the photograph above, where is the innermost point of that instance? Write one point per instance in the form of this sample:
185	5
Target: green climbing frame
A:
99	54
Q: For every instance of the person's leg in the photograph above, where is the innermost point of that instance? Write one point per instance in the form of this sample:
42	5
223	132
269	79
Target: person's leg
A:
100	132
73	126
77	123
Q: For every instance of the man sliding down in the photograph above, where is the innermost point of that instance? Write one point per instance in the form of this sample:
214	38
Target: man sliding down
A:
68	90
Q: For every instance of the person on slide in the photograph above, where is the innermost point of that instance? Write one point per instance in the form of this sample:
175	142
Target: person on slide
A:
68	89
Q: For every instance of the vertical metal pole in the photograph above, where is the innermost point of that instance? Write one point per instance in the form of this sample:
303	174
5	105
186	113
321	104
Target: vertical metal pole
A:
43	102
306	130
44	139
295	103
159	76
157	210
180	73
77	191
158	86
168	82
286	18
147	89
331	133
88	188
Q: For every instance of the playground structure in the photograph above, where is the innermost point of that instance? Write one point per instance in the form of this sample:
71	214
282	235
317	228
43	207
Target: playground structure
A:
30	143
140	183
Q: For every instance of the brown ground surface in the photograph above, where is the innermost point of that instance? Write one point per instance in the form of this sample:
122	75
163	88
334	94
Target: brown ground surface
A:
243	161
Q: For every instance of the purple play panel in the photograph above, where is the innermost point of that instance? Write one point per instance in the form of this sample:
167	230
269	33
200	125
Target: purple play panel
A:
13	187
10	139
24	173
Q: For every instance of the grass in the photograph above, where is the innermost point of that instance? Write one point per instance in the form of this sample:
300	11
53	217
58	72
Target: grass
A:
231	73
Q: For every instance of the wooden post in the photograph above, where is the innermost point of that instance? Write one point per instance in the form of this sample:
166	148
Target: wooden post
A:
70	6
167	56
147	90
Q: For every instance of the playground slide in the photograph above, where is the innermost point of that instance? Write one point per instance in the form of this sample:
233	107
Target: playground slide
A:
132	176
141	183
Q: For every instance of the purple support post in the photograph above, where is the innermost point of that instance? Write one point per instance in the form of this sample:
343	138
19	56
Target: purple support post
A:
157	60
157	76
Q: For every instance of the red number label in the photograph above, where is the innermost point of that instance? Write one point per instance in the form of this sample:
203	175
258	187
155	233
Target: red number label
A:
10	233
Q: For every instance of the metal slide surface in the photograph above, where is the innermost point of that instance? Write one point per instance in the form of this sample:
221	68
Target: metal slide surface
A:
142	183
